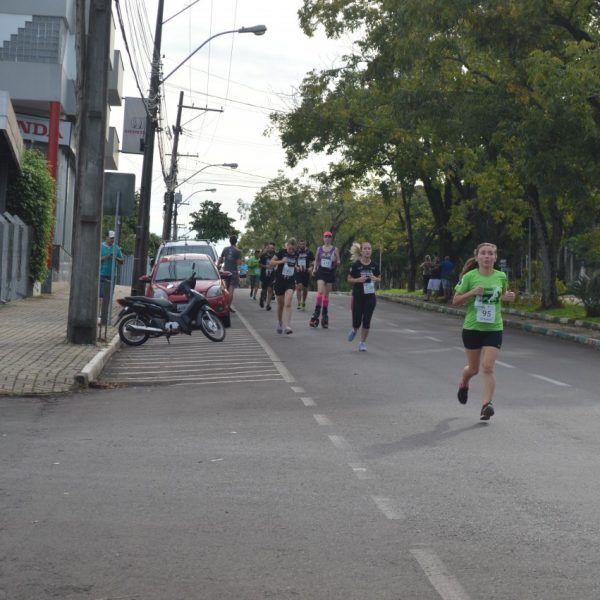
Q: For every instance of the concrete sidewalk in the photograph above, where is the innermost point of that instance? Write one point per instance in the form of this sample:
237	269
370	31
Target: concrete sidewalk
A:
35	358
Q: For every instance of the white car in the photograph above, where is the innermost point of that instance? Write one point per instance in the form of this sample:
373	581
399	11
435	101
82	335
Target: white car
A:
186	247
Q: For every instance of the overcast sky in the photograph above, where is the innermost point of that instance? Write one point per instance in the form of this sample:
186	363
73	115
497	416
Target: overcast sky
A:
233	72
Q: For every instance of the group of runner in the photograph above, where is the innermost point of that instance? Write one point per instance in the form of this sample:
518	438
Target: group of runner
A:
287	273
481	288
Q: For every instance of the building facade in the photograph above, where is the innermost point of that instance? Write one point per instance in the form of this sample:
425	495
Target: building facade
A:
38	69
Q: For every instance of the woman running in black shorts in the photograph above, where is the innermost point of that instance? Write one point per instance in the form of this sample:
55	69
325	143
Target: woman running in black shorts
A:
483	289
363	275
285	264
327	259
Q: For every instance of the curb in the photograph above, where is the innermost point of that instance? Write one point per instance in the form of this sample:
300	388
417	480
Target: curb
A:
539	329
92	370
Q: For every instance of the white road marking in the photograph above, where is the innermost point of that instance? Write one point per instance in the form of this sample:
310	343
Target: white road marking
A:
429	351
445	584
298	389
359	470
389	508
554	381
503	364
339	442
287	376
308	401
433	339
322	420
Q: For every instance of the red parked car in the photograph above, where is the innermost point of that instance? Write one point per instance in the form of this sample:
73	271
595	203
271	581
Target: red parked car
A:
172	269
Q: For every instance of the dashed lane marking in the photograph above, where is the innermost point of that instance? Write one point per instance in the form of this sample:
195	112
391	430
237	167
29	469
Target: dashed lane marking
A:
506	365
445	584
308	401
298	389
547	379
322	420
389	508
433	339
339	442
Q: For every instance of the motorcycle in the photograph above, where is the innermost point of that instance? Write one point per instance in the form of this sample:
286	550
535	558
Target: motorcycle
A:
142	318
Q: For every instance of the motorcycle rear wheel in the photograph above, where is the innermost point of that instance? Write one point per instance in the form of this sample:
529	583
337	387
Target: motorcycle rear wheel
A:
133	338
211	326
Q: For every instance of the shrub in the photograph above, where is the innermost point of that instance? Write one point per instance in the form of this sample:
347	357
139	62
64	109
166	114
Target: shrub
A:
31	197
587	289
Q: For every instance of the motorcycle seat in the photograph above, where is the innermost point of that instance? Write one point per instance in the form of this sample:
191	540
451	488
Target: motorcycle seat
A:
157	301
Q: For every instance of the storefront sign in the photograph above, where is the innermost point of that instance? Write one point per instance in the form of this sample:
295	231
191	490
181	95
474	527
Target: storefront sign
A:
37	129
134	126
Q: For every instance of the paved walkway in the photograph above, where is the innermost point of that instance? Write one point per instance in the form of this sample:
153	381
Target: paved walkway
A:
35	358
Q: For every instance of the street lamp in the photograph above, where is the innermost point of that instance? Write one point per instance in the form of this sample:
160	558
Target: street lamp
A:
143	227
183	203
255	29
230	165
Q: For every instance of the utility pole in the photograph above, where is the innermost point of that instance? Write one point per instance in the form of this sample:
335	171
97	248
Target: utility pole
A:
83	300
172	180
142	233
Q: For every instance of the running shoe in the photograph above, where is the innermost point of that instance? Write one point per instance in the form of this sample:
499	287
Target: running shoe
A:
268	307
487	411
299	307
325	322
463	393
362	347
304	306
314	321
261	303
279	328
351	335
288	330
231	309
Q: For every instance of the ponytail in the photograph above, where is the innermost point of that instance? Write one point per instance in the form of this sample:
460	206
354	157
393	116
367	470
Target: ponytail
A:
355	251
469	266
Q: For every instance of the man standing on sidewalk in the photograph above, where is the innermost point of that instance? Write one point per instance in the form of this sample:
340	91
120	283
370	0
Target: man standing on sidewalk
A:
107	251
231	259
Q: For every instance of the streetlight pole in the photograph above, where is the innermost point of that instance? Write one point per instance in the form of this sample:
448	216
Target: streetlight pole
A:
142	232
143	227
176	205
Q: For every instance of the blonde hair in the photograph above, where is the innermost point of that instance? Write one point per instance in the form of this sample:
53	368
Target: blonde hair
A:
356	250
471	263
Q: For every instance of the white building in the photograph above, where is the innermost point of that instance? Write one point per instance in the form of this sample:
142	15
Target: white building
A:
38	70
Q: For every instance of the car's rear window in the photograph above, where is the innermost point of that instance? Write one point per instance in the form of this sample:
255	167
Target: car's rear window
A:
178	270
189	249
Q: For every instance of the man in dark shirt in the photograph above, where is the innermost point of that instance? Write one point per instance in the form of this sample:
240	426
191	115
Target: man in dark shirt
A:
231	259
305	263
267	275
446	270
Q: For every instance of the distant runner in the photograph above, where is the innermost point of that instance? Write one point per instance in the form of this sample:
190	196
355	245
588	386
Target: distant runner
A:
254	273
305	262
364	273
327	260
482	288
266	275
285	263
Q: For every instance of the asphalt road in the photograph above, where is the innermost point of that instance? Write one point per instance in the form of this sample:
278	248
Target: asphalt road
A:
353	476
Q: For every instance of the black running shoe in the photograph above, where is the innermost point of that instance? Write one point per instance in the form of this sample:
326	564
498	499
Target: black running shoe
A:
463	394
314	321
268	307
487	411
261	303
325	321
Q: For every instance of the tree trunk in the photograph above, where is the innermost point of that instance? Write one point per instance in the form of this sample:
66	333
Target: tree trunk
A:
410	242
548	245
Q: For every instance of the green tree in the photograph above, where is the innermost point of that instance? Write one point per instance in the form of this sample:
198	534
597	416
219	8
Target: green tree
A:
31	196
211	223
494	107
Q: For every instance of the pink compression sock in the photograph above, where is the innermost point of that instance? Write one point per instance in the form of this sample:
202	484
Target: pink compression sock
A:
319	299
325	301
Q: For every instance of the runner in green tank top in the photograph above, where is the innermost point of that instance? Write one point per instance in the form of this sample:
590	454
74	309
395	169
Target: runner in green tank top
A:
483	289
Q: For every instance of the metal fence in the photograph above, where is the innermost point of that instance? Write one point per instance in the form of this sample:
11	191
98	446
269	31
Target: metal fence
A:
125	272
15	241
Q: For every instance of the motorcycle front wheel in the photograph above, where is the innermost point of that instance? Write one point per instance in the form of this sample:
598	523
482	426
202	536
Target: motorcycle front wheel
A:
211	326
133	338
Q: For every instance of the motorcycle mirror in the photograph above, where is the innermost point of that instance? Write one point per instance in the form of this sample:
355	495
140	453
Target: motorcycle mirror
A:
145	278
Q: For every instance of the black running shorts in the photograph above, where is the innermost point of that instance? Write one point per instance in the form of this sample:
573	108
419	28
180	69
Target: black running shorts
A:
474	339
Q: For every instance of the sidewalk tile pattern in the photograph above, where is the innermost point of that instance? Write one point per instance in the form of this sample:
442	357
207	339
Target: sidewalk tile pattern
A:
35	358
